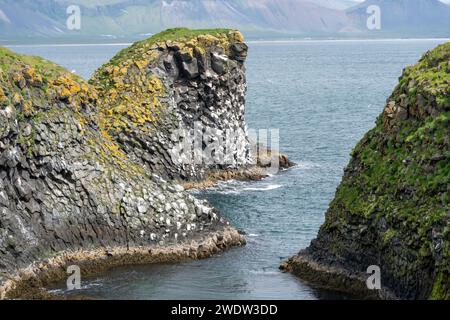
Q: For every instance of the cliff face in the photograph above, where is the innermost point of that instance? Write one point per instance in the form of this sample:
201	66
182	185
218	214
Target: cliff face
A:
392	206
160	93
80	167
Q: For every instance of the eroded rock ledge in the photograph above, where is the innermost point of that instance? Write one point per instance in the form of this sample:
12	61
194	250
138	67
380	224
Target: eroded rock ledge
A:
86	170
392	206
31	281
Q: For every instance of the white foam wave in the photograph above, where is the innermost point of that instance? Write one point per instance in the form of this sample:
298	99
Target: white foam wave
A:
264	188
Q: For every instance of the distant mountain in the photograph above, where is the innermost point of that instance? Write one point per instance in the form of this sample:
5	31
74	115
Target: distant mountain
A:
32	18
35	19
406	17
295	16
131	17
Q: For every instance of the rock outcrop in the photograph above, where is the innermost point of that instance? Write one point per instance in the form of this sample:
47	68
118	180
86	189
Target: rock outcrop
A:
392	206
157	94
86	168
175	104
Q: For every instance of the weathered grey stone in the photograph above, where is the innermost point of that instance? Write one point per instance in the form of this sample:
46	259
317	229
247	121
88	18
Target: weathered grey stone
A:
239	51
219	62
190	69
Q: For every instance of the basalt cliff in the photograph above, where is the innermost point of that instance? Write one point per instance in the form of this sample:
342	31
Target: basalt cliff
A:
391	209
90	171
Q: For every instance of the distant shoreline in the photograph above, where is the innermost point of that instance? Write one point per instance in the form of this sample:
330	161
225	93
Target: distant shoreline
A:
250	42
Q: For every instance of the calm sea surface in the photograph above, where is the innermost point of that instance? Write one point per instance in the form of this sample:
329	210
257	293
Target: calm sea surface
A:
323	96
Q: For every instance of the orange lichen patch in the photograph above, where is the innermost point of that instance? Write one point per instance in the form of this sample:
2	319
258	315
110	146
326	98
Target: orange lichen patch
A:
29	73
124	70
66	88
111	145
3	97
109	153
125	107
17	99
63	93
85	89
199	44
236	36
27	108
207	40
141	64
155	86
65	82
32	76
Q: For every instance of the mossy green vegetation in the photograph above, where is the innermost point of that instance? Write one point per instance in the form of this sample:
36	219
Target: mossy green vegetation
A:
430	76
398	180
29	82
11	61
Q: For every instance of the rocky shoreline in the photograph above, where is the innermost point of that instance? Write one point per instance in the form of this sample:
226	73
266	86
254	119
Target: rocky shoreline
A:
391	209
332	277
30	282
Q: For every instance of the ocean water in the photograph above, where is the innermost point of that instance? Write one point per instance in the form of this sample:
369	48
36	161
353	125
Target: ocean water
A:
323	96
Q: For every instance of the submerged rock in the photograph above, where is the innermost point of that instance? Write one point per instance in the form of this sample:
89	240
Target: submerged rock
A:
391	209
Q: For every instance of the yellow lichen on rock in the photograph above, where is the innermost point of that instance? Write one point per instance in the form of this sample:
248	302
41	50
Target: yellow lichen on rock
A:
27	108
131	99
207	40
141	64
236	36
66	87
29	73
3	97
124	70
17	99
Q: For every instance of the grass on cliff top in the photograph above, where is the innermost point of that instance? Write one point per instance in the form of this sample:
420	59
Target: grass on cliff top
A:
167	35
11	61
431	74
178	33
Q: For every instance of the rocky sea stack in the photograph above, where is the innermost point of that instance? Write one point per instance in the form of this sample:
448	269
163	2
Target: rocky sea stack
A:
392	206
87	172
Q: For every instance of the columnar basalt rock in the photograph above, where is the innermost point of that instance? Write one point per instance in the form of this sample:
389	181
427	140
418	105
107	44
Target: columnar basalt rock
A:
392	206
84	168
185	83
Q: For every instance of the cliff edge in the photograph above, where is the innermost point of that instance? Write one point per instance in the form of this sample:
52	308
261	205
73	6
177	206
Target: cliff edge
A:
391	208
